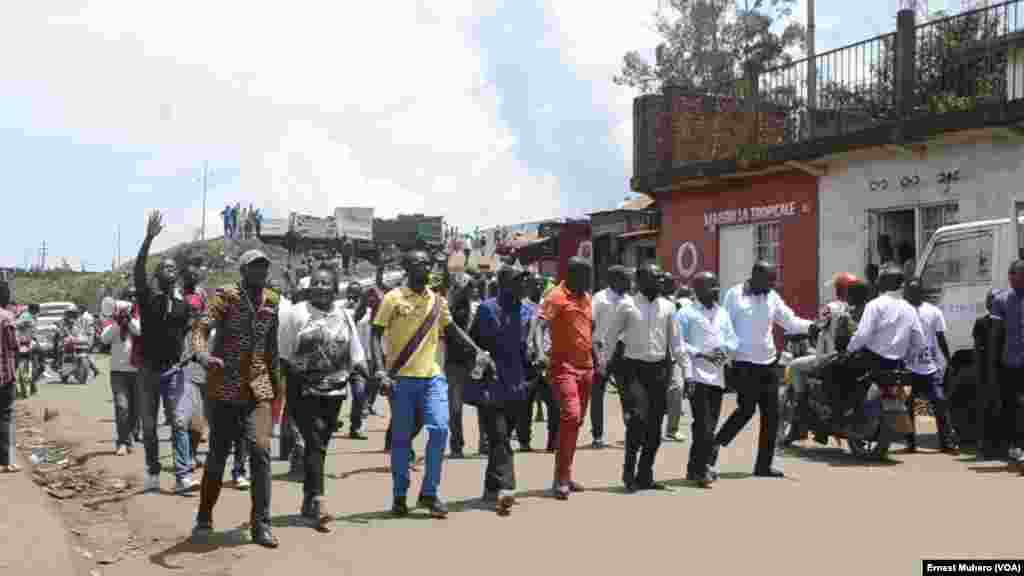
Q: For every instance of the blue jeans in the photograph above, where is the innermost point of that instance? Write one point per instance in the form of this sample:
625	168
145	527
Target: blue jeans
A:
169	387
429	397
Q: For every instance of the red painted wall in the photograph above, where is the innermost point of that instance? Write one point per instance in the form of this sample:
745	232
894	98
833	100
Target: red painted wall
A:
683	221
569	239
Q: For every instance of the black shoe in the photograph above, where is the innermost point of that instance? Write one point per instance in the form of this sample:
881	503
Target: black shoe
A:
651	485
203	528
264	537
629	481
399	508
769	473
437	508
456	455
357	435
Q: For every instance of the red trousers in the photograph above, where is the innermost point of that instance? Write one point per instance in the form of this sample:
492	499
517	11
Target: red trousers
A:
571	387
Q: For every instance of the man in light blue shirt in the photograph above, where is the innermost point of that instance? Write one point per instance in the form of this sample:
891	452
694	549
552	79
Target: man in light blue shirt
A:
753	308
709	340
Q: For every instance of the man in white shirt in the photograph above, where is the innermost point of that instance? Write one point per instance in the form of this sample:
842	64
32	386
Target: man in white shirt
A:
889	331
753	307
604	305
709	340
928	367
647	325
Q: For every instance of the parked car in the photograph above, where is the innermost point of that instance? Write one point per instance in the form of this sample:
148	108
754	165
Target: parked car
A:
51	314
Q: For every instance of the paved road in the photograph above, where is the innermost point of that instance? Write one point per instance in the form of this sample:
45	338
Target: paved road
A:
833	515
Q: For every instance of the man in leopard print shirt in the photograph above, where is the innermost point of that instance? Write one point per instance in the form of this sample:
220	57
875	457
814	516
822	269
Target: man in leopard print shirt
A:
242	383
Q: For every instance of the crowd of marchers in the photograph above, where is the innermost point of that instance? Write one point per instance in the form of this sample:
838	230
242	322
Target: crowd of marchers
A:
223	362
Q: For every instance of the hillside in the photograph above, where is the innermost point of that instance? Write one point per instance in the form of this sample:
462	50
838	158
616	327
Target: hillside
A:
87	288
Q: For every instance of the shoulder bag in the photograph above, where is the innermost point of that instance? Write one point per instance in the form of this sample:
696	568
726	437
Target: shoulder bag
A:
417	338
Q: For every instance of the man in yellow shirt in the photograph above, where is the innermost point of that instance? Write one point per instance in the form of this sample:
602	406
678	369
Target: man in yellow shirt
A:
412	319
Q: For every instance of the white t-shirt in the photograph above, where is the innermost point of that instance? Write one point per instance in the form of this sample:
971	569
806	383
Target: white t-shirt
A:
928	359
324	342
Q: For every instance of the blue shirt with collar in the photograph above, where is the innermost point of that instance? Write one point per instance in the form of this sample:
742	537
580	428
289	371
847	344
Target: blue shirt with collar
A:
502	329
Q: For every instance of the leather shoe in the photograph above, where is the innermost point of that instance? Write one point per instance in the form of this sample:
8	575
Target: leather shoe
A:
264	537
770	473
651	486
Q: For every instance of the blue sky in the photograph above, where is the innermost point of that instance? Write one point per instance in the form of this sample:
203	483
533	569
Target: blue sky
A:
486	112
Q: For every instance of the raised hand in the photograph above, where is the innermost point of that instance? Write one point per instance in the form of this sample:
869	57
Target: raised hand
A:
155	225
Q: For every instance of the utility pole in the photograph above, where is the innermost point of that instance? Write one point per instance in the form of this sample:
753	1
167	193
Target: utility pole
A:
812	71
42	256
205	167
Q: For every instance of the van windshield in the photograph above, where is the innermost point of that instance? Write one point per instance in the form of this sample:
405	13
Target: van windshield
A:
964	258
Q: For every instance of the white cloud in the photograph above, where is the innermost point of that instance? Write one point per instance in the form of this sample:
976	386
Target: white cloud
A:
593	38
323	104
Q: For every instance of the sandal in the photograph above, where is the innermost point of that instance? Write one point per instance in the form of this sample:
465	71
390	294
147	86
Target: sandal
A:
10	469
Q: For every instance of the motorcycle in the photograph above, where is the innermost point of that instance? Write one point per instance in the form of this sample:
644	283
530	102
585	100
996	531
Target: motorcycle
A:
74	361
876	403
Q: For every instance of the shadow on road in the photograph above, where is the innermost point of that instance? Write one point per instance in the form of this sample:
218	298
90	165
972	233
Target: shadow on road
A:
84	458
358	471
838	457
217	541
1001	468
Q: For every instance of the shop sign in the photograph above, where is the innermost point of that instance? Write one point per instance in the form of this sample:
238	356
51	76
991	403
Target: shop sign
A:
752	214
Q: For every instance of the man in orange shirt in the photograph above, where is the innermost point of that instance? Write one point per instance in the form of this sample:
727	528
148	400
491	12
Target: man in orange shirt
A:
567	312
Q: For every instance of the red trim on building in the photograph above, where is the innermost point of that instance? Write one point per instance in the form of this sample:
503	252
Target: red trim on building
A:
788	198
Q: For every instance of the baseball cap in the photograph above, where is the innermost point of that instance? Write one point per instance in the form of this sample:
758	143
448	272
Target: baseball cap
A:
251	256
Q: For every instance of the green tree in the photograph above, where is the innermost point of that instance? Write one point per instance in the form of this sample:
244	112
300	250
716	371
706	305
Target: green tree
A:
707	42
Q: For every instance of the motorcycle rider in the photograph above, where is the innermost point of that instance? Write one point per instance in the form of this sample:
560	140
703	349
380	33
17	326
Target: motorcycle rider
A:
888	333
72	327
831	319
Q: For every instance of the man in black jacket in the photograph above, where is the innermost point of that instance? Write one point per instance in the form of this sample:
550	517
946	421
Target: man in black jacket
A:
165	316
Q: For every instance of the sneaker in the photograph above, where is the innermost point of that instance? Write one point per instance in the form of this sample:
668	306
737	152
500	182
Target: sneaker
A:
152	483
358	435
598	443
575	486
122	450
435	505
186	485
202	529
676	437
399	508
1015	454
560	491
242	483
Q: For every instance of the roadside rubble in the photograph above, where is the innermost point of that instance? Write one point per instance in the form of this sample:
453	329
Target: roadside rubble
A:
91	500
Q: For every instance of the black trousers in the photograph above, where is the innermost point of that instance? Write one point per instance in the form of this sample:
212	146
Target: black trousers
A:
7	395
458	375
757	388
706	405
499	420
253	422
317	421
1011	416
524	422
646	401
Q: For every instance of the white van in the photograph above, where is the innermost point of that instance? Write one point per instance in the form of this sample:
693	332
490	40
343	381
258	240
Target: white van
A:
959	266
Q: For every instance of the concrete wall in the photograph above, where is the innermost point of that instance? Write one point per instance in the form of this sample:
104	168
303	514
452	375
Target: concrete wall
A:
683	222
990	170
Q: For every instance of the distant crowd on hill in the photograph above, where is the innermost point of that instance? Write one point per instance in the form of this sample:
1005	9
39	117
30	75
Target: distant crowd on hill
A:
241	223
